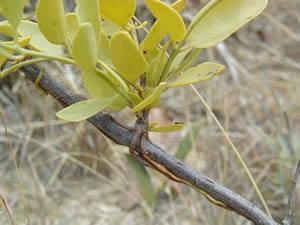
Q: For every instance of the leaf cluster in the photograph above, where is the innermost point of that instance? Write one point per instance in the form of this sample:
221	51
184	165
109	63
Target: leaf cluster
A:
101	38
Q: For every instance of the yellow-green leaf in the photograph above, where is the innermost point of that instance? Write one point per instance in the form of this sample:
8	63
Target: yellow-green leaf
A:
12	11
88	12
51	19
117	11
157	32
167	128
152	98
73	25
104	49
168	17
84	49
84	109
99	87
38	41
202	72
126	56
110	28
151	54
219	19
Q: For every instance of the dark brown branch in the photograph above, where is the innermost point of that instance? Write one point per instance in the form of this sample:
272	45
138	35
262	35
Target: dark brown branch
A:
123	136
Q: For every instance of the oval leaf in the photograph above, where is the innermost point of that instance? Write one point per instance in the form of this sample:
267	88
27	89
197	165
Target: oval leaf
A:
168	17
219	19
104	49
117	11
84	49
84	109
157	32
38	41
50	16
88	12
73	25
202	72
127	57
12	11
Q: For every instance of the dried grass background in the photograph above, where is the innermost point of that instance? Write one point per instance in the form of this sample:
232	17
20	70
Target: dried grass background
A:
71	174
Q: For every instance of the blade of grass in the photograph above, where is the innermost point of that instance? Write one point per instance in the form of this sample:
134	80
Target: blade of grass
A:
17	169
7	210
251	178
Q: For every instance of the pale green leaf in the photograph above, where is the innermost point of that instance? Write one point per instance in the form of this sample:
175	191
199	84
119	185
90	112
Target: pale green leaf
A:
157	32
104	49
126	56
12	11
145	184
117	11
110	28
168	17
151	54
202	72
167	128
84	49
89	12
73	25
50	16
38	41
219	19
84	109
98	87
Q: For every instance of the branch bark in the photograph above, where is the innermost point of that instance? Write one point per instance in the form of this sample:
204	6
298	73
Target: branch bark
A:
123	136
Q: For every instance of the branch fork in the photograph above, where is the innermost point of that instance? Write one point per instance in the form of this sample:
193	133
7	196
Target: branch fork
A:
151	155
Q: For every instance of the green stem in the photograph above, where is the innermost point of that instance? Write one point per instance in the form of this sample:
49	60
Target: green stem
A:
37	54
8	55
120	89
16	67
115	76
171	58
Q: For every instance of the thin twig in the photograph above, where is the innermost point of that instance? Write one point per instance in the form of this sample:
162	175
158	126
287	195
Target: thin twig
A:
123	136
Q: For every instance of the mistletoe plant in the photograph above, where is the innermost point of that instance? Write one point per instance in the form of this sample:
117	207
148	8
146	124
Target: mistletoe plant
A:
102	39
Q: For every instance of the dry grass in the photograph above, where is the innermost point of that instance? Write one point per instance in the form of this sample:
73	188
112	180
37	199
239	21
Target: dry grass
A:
71	174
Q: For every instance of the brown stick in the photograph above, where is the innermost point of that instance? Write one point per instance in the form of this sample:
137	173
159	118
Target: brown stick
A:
123	136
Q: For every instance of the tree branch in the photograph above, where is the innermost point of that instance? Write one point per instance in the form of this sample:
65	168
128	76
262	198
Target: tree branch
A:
123	136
